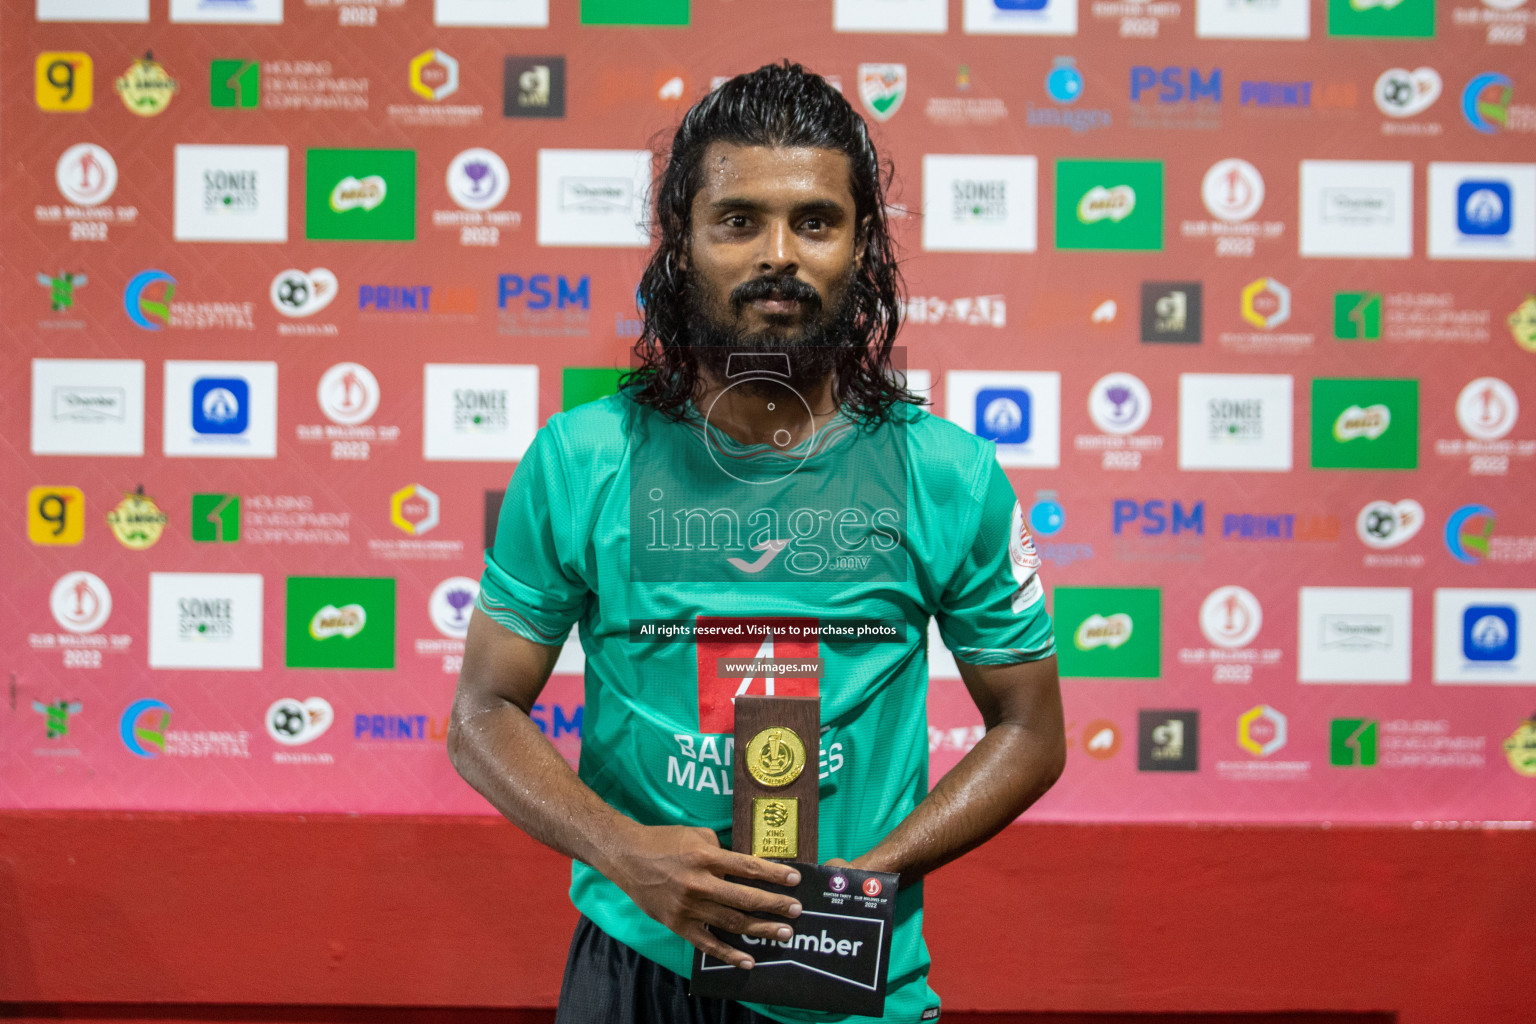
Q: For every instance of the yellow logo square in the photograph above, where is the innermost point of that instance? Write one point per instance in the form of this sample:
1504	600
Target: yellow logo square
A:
55	515
64	81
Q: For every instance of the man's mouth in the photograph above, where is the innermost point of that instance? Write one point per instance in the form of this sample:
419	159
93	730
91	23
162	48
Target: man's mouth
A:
777	305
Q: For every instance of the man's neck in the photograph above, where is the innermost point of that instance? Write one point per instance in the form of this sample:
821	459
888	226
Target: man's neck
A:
775	419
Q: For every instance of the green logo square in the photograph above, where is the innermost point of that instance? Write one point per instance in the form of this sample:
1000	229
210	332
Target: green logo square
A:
1109	632
582	384
360	195
634	12
234	83
1109	204
1365	423
216	518
1409	19
1357	316
1352	742
341	622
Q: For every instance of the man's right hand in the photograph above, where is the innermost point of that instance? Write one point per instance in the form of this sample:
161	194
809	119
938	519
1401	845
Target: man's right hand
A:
676	874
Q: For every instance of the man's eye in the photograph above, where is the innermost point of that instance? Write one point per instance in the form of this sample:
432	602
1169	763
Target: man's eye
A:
814	224
736	220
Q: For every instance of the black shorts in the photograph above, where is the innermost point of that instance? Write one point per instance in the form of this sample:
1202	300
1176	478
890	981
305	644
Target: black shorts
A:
606	982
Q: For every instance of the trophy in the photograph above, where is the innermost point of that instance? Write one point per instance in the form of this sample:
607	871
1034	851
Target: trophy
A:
775	777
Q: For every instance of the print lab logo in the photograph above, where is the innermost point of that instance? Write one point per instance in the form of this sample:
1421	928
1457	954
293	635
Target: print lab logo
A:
86	174
882	88
1402	93
1168	741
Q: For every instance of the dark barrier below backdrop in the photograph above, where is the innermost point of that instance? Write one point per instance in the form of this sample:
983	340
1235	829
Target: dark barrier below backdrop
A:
286	919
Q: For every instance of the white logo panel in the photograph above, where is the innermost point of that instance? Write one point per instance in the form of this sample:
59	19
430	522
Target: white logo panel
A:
227	12
1013	18
1235	421
221	410
93	10
890	15
1482	211
87	407
205	620
1481	637
1253	19
1356	208
594	197
491	13
1020	411
980	203
231	193
1355	635
479	412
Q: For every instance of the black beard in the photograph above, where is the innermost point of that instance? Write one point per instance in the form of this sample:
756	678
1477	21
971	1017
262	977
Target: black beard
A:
824	345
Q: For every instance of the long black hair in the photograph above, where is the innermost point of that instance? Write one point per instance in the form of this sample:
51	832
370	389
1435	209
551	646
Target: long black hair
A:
779	105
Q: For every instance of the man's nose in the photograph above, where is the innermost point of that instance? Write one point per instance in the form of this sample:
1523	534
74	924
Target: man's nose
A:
779	256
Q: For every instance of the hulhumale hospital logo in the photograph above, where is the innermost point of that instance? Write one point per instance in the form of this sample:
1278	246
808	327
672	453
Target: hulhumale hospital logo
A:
143	727
1485	101
1467	533
147	299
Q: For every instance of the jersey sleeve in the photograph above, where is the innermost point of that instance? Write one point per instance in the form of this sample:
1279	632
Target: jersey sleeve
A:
992	611
531	583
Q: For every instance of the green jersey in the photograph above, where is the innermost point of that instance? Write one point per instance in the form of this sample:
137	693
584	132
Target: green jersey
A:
670	541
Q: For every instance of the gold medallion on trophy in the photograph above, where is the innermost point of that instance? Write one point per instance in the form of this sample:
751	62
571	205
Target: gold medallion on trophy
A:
775	757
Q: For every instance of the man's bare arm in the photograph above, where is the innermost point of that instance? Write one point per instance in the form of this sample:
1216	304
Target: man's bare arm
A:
674	873
1020	757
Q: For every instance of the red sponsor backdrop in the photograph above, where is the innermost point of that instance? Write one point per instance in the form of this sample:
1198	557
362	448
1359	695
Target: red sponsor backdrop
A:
1381	704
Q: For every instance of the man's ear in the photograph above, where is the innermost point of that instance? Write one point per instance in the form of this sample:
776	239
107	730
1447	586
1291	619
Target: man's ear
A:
861	239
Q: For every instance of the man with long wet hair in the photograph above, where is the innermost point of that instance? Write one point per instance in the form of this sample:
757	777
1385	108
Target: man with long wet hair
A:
764	466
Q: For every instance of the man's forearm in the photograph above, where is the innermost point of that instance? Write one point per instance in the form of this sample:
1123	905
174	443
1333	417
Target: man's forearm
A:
499	751
993	784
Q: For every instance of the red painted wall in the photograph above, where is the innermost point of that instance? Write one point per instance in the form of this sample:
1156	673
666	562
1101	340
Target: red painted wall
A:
249	909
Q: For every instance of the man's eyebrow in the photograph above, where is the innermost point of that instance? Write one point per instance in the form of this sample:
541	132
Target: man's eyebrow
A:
822	206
